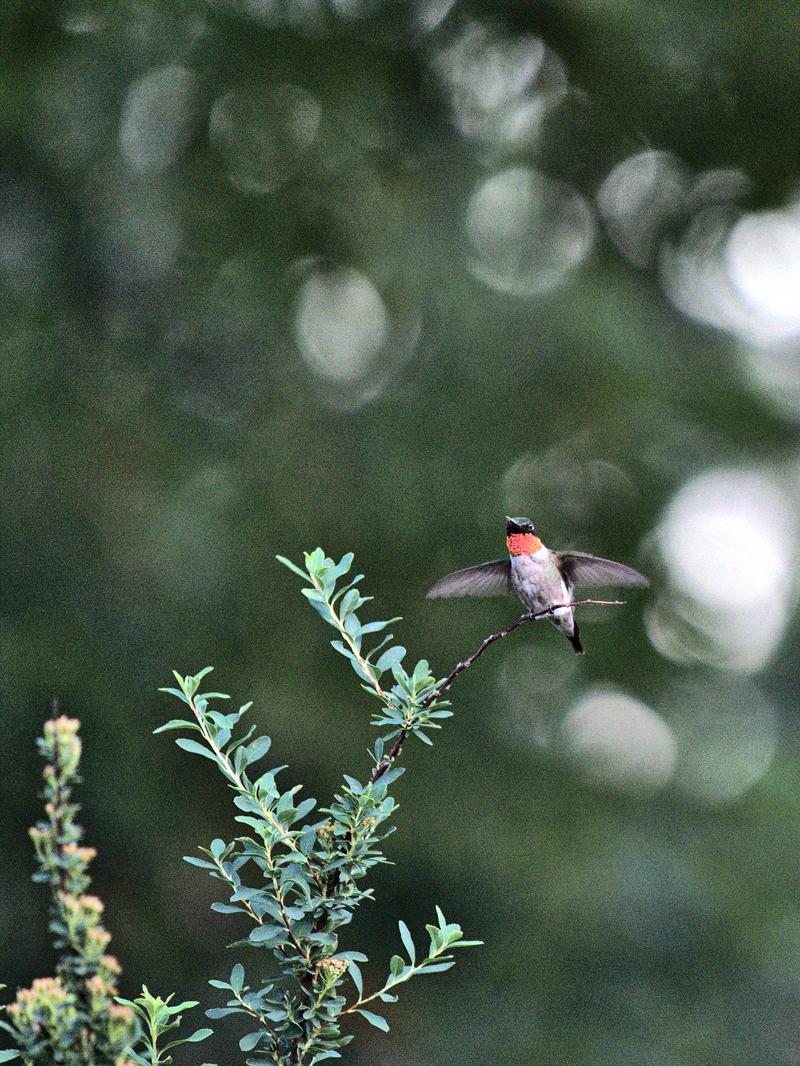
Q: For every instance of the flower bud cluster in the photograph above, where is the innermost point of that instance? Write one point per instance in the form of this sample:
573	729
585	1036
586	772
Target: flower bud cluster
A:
61	747
71	1018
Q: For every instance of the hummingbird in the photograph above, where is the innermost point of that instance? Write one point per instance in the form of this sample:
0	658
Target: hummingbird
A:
540	577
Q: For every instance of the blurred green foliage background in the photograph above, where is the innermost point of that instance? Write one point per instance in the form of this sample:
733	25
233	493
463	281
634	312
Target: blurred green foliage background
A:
371	275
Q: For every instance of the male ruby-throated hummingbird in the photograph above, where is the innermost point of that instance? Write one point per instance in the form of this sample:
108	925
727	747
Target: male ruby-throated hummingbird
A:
540	577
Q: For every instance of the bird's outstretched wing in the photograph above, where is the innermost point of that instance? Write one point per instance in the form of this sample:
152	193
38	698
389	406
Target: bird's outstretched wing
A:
487	579
581	569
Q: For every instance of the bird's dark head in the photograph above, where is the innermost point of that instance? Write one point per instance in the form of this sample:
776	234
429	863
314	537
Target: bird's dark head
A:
519	525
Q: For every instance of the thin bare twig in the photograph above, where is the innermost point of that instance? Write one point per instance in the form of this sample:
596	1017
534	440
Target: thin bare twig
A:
464	664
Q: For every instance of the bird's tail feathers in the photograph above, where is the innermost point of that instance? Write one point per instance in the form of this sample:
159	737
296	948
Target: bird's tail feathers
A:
575	640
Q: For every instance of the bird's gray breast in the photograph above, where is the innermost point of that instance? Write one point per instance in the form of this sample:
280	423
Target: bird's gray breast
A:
537	580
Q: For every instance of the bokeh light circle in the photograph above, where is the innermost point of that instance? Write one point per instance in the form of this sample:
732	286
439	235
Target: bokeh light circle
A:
727	733
157	118
527	232
640	197
263	134
728	541
620	742
341	324
763	260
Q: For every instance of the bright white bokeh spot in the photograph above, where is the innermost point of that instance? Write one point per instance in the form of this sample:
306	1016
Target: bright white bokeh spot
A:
727	734
648	194
694	276
527	232
739	273
263	134
620	742
640	197
157	118
341	324
728	538
500	88
686	631
729	542
763	259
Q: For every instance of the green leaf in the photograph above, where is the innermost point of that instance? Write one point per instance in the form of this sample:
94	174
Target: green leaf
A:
343	566
391	657
355	973
405	936
376	627
254	751
350	601
262	933
186	1005
250	1040
374	1019
342	649
195	748
291	566
175	692
223	1012
197	1036
314	560
7	1056
396	965
237	977
176	723
421	671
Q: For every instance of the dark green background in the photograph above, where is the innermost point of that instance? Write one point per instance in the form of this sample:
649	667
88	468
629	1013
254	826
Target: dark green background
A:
163	438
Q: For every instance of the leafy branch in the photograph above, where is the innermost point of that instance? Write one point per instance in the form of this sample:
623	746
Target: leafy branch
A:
157	1017
443	936
296	880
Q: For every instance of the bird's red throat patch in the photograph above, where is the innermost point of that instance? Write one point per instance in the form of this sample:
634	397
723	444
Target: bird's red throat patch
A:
523	543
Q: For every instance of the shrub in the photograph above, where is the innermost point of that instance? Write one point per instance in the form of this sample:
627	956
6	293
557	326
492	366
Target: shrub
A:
76	1018
298	879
